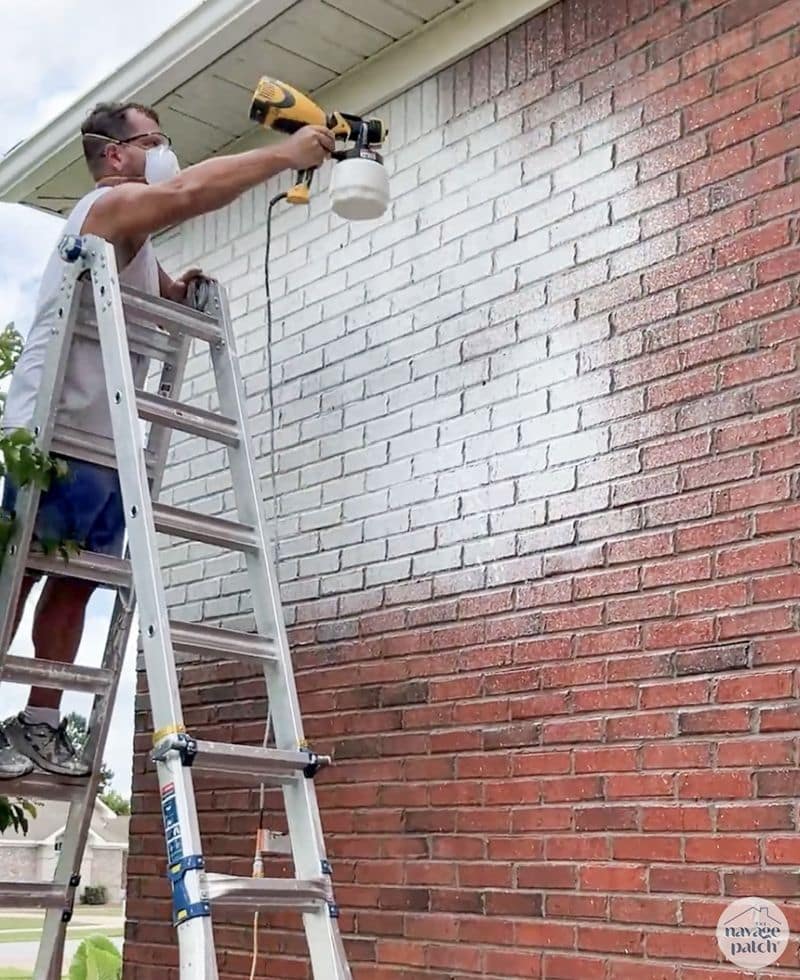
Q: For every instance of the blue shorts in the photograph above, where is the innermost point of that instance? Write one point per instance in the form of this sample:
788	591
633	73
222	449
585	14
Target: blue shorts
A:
84	507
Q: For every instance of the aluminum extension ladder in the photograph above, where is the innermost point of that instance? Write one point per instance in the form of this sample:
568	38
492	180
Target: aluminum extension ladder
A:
162	331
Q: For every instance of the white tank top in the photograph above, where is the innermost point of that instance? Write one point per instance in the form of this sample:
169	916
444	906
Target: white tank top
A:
84	402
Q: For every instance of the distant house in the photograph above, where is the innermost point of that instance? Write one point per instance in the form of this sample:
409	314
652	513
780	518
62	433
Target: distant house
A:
33	857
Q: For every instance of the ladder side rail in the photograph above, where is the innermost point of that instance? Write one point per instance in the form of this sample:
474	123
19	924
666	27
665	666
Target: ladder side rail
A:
48	398
51	946
195	933
302	811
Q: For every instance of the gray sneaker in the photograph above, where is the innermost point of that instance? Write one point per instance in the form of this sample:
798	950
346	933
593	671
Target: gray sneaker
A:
49	748
13	764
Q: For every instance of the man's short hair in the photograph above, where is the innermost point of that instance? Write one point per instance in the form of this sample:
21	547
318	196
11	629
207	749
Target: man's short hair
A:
108	119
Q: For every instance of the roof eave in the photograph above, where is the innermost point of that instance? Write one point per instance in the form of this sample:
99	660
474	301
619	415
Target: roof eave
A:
202	36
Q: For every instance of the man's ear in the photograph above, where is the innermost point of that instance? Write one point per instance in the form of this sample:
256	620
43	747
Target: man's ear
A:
113	158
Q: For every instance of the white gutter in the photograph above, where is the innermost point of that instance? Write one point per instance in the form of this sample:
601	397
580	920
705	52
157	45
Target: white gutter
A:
190	45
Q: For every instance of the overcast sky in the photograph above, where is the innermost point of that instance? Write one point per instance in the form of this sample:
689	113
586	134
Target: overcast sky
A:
52	51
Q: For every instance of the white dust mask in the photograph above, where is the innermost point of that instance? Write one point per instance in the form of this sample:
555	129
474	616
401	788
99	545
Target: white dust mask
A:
160	164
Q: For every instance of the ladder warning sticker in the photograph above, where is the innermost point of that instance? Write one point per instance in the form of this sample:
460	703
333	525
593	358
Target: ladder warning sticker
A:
172	827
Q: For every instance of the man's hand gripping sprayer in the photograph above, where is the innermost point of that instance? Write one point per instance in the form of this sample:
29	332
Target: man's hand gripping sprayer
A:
359	183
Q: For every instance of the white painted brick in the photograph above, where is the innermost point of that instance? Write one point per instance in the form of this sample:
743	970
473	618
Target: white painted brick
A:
411	394
445	257
607	186
490	392
553	425
447	159
464	425
415	295
388	571
465	529
464	478
323	517
390	425
437	460
467	221
341	535
542	268
343	487
412	542
500	284
490	549
416	245
435	561
519	517
488	239
383	525
365	505
346	347
401	494
471	122
376	454
547	214
434	512
440	208
364	554
489	444
476	168
518	354
467	273
505	182
413	442
486	499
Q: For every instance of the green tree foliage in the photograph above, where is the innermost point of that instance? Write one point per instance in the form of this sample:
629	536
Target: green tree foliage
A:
25	464
117	802
97	958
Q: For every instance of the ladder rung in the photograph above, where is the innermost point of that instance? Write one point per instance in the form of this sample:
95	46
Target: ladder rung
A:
211	641
51	673
32	894
111	572
92	449
171	316
293	893
270	765
143	338
199	527
176	415
42	786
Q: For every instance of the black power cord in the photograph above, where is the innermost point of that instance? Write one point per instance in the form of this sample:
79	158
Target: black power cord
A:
270	388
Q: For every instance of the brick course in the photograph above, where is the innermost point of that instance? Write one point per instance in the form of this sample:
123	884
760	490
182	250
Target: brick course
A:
535	453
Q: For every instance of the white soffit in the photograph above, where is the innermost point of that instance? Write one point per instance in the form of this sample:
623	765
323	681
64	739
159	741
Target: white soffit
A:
200	74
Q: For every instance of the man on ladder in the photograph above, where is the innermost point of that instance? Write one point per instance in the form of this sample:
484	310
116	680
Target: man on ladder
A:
139	191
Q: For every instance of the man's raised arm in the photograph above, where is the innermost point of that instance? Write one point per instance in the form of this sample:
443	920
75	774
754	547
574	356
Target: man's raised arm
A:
136	209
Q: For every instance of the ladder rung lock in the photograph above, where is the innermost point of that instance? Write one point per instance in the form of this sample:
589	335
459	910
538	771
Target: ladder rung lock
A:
50	673
273	843
281	893
271	765
211	641
36	894
114	573
210	530
171	316
196	421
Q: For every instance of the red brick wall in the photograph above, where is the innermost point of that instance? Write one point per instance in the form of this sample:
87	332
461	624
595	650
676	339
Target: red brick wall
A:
569	776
